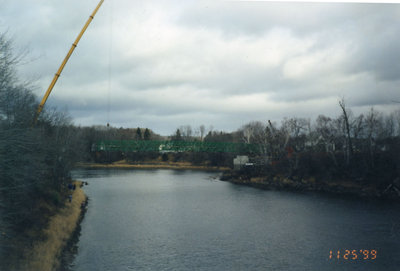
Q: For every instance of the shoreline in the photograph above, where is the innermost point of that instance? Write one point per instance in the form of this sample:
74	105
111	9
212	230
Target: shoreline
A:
278	182
334	187
159	165
46	254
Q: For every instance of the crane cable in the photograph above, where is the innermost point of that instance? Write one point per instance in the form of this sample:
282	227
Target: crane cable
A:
110	46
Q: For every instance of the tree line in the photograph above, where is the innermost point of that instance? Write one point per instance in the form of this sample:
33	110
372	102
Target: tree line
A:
364	147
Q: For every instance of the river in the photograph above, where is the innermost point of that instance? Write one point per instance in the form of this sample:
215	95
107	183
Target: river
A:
189	220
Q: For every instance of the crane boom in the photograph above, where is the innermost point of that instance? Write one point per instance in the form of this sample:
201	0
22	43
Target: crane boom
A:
57	75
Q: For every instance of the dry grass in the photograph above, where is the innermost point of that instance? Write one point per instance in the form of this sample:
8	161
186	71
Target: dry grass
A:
45	254
258	180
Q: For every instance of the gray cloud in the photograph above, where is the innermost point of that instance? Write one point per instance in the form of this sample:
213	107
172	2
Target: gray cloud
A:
162	64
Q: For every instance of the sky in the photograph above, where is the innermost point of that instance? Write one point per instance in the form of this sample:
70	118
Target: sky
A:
222	64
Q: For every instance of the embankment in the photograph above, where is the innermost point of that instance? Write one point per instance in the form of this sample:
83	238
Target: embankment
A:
46	253
338	187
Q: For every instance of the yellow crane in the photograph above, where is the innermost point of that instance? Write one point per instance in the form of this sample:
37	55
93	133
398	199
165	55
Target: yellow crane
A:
57	75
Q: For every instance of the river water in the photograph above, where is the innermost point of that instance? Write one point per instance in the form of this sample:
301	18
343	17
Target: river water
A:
188	220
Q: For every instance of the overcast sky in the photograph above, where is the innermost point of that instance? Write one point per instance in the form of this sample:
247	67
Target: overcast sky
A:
163	64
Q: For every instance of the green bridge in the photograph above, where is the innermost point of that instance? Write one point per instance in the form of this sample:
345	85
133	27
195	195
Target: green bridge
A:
174	146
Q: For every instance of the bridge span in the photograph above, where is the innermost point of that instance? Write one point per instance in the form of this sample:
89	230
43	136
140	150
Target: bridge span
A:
174	146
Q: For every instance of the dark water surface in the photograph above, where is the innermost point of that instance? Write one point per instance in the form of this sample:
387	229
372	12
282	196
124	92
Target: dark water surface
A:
186	220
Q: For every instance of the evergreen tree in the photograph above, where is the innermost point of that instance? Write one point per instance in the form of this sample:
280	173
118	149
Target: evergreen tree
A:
138	134
177	136
146	134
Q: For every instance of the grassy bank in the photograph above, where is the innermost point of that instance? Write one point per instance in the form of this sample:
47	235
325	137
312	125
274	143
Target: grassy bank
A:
152	165
46	253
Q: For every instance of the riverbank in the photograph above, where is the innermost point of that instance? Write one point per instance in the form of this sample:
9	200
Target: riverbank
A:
46	253
123	164
338	187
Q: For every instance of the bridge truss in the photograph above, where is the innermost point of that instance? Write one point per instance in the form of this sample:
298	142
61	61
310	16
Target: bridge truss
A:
174	146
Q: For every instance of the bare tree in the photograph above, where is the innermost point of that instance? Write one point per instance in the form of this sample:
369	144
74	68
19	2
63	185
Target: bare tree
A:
346	120
396	116
373	123
186	132
325	131
297	130
389	126
202	129
250	130
277	140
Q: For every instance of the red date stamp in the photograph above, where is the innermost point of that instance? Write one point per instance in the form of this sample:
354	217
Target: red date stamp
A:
353	255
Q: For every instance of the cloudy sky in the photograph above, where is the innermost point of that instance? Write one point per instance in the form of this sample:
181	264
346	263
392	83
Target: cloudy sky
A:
163	64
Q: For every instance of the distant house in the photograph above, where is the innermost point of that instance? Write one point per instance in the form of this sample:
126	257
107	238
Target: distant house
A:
320	143
240	161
